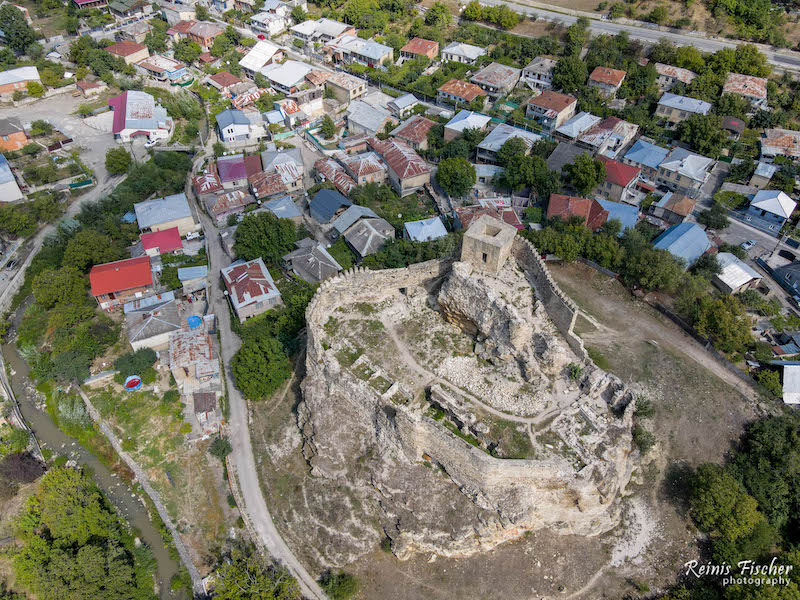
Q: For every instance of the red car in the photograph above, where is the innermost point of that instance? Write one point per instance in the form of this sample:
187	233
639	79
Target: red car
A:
261	36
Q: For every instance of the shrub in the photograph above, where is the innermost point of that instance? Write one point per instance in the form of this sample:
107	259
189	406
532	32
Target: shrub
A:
339	586
643	439
644	408
220	448
135	363
574	371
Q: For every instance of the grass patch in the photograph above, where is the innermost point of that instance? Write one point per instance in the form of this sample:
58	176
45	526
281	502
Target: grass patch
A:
346	357
381	384
598	358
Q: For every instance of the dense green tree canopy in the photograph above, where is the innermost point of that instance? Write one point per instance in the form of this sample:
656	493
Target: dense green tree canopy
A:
264	235
585	173
260	366
89	247
55	286
246	577
18	34
118	160
456	176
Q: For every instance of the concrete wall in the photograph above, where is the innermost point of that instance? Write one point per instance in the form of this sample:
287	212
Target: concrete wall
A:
560	308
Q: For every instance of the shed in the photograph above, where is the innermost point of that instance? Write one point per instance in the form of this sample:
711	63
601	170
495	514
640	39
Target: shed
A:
424	230
684	240
735	275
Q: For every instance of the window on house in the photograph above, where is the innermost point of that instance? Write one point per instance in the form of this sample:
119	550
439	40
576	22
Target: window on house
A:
485	257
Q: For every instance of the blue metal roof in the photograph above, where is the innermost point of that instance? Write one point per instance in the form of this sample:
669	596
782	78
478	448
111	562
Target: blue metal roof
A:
647	154
425	230
684	240
283	208
625	213
189	273
326	203
231	117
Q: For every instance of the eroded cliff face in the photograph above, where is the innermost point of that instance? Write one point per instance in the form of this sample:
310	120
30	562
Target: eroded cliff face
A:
409	451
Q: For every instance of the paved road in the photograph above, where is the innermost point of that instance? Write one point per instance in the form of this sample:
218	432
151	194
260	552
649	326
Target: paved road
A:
242	456
783	59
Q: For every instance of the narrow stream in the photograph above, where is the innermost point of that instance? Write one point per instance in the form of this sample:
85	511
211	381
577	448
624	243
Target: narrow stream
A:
117	490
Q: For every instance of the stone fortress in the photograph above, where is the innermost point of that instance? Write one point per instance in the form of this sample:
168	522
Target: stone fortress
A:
449	407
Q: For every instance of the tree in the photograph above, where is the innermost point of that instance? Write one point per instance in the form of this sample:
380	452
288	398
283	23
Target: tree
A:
245	576
201	13
715	217
456	176
220	448
585	173
328	127
35	89
473	11
135	363
706	266
438	15
658	15
221	46
569	74
720	505
89	247
299	15
56	286
118	160
266	236
260	366
771	380
704	133
18	34
339	586
187	51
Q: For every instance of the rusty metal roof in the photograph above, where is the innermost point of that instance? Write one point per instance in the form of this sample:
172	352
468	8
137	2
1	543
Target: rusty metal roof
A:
414	129
745	85
608	76
400	157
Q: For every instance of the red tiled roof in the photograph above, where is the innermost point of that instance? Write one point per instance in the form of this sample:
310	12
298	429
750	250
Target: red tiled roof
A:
231	168
206	57
469	214
120	275
589	209
224	79
166	240
400	157
333	172
462	89
208	181
420	46
86	85
125	48
181	27
414	130
317	77
252	165
619	173
248	282
607	75
550	100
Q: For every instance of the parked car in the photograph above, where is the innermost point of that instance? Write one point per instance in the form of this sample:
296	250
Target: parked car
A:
261	36
748	244
150	143
796	301
11	264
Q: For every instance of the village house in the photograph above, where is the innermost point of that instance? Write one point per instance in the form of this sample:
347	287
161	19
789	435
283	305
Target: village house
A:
491	144
162	68
769	210
456	91
563	155
465	119
414	132
684	172
408	172
327	169
17	79
180	30
752	89
222	81
163	241
222	205
311	262
115	283
575	127
735	275
283	208
368	236
205	411
365	119
136	115
463	53
125	10
270	24
424	230
175	13
90	88
668	76
496	79
349	49
130	52
551	109
607	80
165	213
673	208
288	164
346	88
192	359
136	31
609	137
322	30
420	47
675	109
259	56
286	77
465	216
686	241
762	175
232	171
327	204
150	321
780	142
9	189
619	181
589	210
203	34
232	125
12	135
207	182
251	289
363	168
402	106
538	74
647	156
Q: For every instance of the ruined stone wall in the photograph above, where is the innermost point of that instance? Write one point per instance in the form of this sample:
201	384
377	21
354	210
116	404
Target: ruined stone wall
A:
560	308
